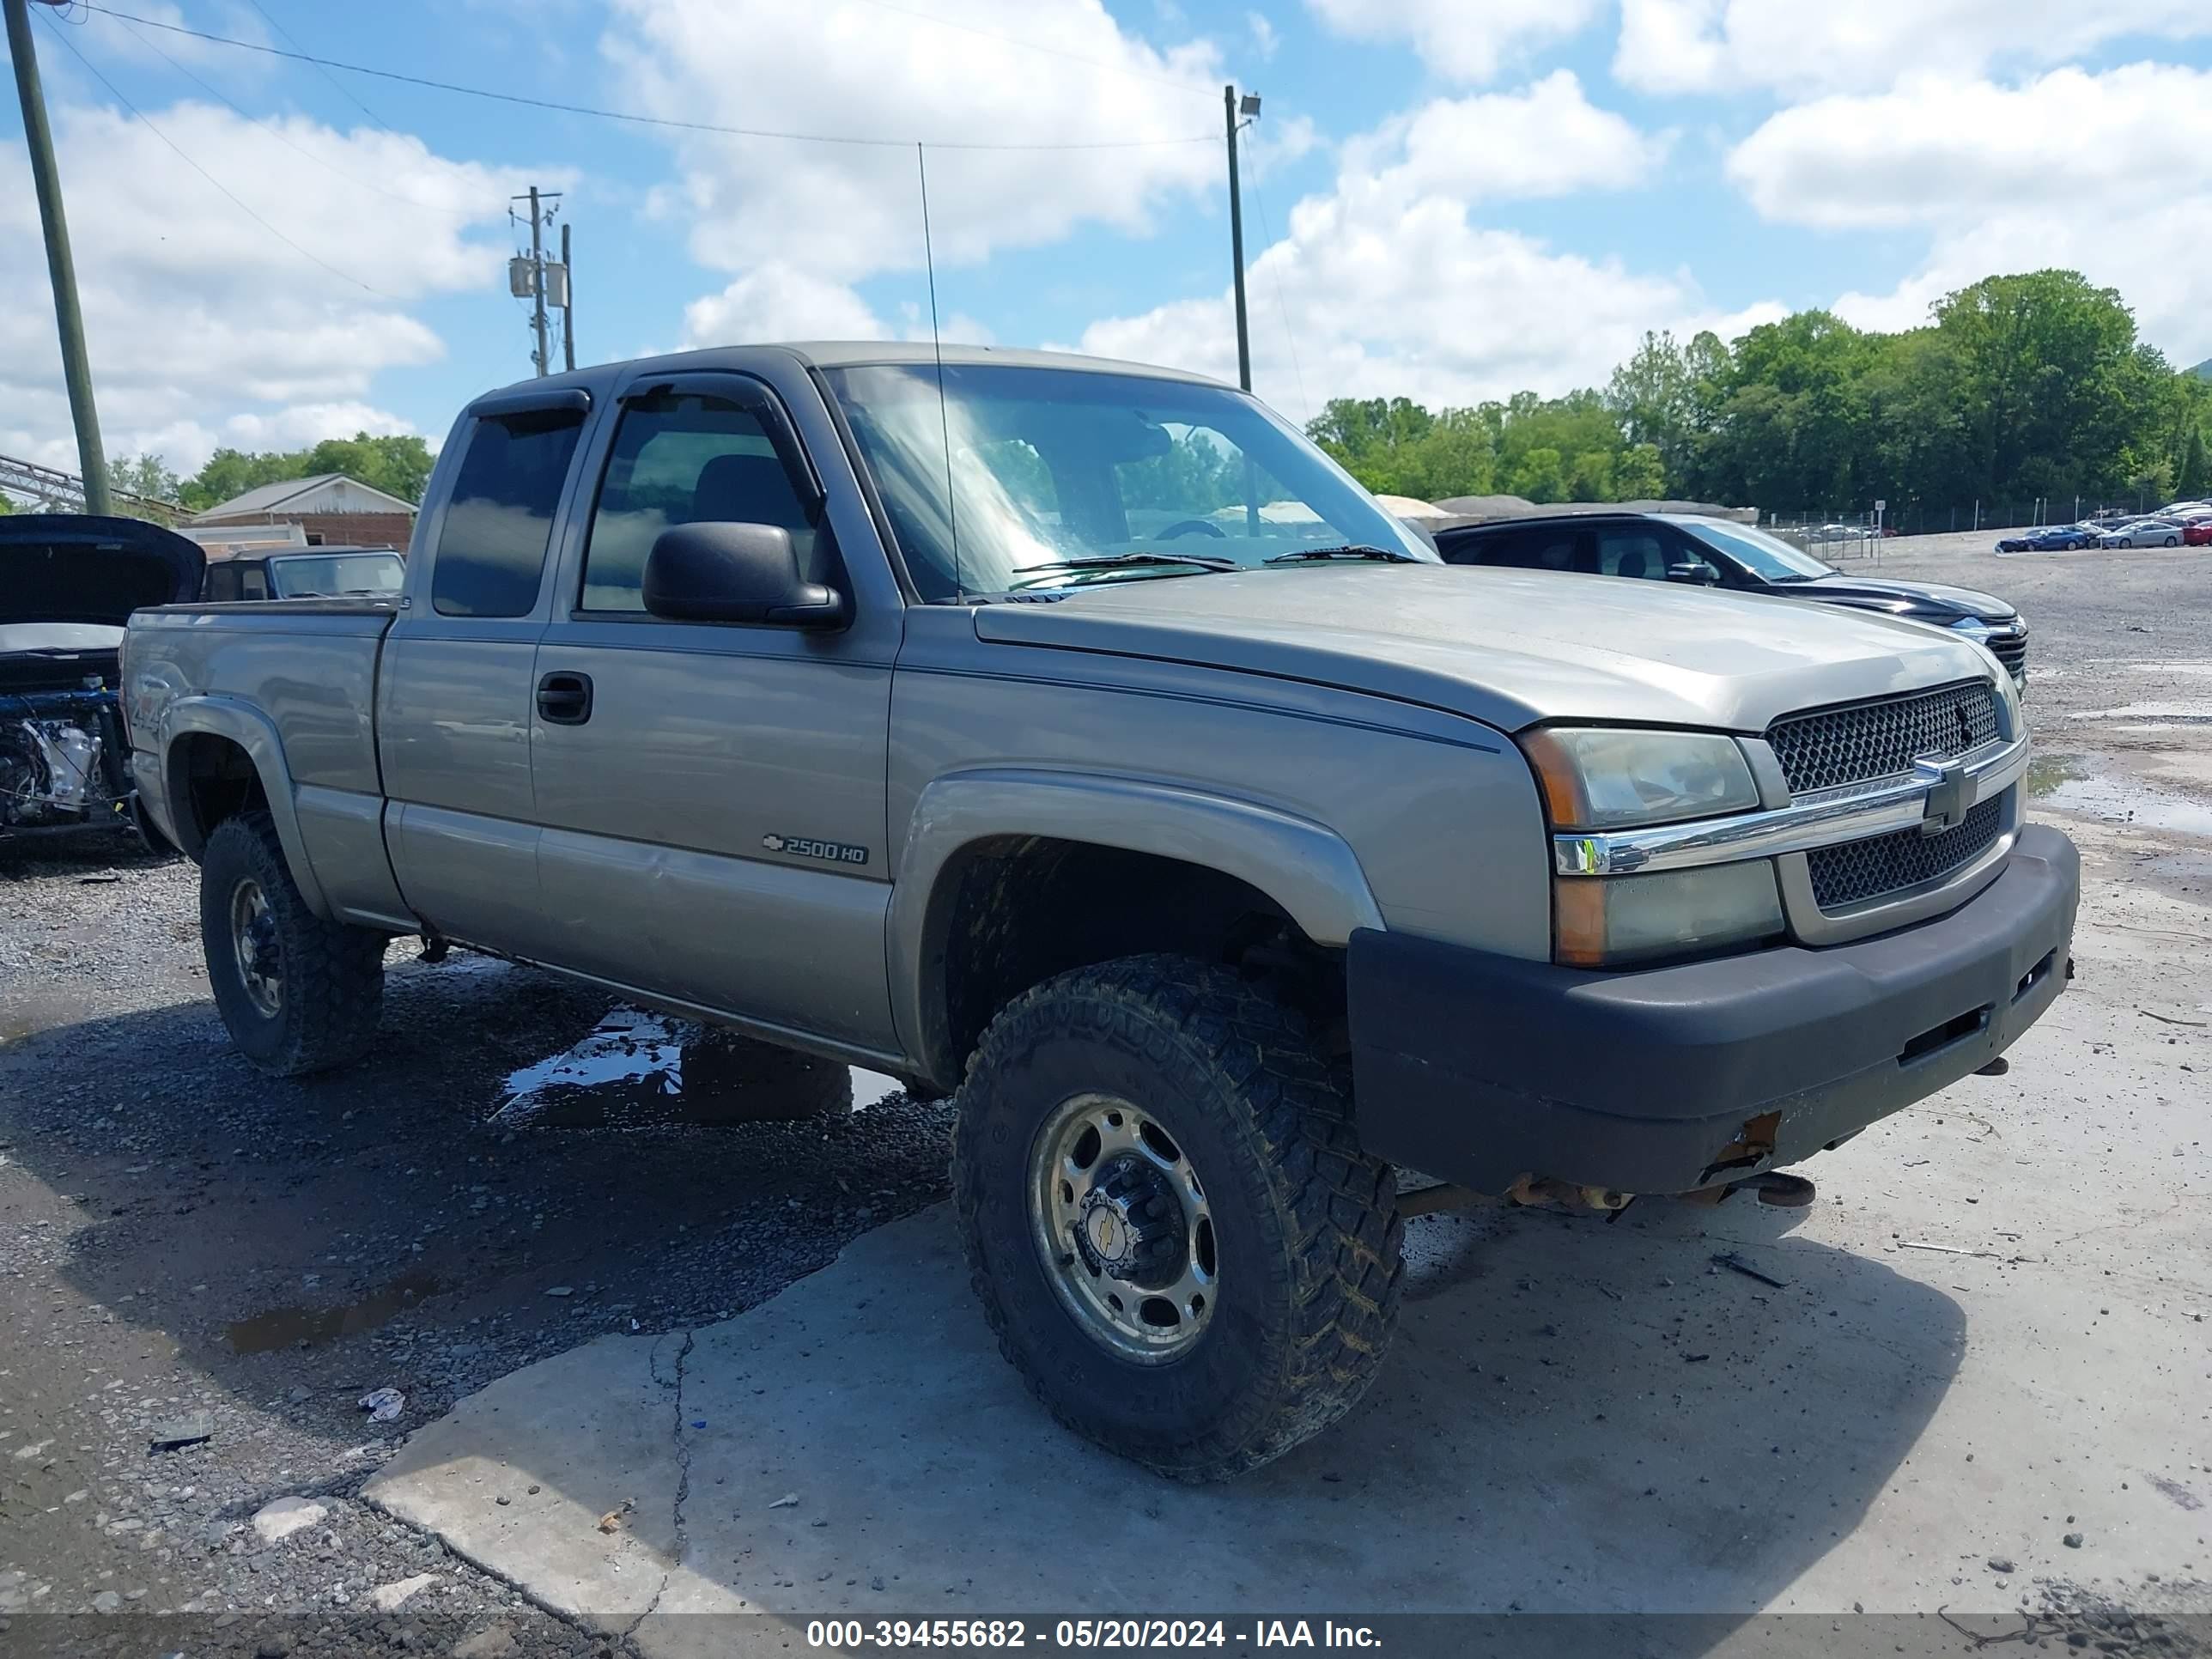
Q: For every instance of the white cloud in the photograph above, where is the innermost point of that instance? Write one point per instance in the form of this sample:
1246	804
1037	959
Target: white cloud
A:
1457	39
1545	140
195	315
1692	45
1046	72
1385	284
2118	186
1265	40
778	302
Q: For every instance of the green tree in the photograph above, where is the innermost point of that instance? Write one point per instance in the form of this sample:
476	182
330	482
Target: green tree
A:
142	475
400	465
2195	476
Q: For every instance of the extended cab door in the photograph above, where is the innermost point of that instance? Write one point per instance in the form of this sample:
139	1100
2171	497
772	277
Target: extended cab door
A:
454	688
712	794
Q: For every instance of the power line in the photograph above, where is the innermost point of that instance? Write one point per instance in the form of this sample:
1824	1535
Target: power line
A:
596	113
343	91
279	135
113	91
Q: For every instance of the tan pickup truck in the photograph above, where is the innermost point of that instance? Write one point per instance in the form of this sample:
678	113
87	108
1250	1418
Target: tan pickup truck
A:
1075	740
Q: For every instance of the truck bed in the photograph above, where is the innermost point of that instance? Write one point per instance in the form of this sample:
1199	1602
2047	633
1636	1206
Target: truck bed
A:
297	674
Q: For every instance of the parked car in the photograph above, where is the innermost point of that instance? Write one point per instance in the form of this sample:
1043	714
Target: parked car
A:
2197	532
68	584
2145	533
320	573
2071	538
1699	552
918	714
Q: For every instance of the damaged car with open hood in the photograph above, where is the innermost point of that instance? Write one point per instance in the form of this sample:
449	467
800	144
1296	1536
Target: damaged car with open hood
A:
68	584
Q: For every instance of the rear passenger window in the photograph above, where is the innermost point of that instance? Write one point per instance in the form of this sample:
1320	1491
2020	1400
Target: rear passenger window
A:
1534	549
491	548
1632	553
685	458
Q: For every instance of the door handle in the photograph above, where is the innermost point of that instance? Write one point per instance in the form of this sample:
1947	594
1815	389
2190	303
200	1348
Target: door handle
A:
564	699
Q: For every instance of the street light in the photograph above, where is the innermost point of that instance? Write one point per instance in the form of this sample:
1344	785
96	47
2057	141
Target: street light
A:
1231	108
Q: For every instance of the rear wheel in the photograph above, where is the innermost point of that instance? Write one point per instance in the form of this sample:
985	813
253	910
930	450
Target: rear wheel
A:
1173	1230
298	994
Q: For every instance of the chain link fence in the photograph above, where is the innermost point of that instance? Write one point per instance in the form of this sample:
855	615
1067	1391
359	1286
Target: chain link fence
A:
1848	533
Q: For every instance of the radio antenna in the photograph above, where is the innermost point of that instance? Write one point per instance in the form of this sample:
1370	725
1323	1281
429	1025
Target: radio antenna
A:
937	345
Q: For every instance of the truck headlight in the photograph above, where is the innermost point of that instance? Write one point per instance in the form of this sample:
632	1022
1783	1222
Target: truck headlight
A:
1606	922
1596	778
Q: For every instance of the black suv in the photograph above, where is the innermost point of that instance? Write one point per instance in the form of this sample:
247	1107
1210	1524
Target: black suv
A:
1687	547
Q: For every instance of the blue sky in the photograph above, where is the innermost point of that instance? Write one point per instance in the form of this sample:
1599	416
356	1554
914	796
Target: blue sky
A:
1444	198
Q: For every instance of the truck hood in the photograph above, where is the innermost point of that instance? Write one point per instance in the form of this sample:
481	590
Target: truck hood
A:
71	568
1935	601
1507	648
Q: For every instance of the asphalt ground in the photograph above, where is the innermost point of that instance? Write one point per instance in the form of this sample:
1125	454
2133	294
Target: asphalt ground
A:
182	1239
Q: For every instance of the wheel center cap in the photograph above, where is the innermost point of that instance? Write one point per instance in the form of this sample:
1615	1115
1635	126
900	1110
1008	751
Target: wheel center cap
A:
1108	1234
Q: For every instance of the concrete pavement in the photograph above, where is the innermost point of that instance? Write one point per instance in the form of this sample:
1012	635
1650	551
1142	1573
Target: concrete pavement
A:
1993	1334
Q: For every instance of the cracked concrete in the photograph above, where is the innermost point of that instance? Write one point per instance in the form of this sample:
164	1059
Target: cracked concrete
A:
1578	1416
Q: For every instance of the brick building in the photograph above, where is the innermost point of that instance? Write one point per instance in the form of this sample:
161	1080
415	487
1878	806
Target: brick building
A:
332	510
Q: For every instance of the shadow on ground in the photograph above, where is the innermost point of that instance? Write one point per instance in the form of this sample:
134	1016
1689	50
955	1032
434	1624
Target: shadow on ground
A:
1576	1417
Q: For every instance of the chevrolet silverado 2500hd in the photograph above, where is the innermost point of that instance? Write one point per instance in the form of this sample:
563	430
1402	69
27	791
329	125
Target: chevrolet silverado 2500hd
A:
1076	740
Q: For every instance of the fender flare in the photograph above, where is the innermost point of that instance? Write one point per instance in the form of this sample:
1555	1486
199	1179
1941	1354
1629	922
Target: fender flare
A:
1306	868
254	732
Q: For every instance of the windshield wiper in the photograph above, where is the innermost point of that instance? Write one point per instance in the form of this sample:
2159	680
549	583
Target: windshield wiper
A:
1349	550
1118	561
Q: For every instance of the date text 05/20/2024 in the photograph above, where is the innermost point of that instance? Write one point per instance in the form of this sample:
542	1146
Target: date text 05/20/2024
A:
854	1635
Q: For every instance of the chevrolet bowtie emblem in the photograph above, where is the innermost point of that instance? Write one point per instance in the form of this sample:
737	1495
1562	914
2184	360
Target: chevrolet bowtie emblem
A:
1946	797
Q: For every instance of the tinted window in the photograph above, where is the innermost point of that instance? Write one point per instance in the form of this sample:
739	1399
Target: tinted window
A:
683	459
222	582
491	549
1630	553
1530	550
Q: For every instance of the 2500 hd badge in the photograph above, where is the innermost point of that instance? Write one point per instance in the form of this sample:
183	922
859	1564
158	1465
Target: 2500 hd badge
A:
805	846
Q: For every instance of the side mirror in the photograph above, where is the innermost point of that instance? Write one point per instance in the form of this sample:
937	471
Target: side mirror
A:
1697	574
740	573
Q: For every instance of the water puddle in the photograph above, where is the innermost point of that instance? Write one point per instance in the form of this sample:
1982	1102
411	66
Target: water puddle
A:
2118	802
636	1069
286	1327
2046	772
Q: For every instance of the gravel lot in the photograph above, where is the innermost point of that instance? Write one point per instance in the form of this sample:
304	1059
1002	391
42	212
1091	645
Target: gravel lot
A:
182	1239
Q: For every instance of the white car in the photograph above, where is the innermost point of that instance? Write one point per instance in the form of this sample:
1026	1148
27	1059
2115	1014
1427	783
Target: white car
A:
2143	532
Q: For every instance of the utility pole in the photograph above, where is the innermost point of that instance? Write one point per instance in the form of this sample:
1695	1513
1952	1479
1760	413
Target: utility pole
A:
567	303
1229	111
61	269
543	282
537	279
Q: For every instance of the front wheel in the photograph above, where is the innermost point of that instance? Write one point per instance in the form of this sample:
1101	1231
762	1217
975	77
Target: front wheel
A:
297	993
1175	1237
2173	541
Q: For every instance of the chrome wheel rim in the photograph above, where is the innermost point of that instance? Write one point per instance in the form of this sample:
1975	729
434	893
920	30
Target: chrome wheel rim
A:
1123	1227
253	943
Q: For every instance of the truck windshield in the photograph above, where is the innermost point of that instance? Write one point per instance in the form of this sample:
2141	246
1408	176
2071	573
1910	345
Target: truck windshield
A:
310	575
1065	477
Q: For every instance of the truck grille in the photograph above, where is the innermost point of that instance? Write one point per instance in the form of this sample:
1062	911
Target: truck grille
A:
1859	871
2011	650
1860	741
